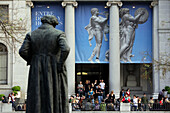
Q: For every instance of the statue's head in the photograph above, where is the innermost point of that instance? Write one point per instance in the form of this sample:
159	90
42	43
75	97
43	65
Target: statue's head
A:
94	10
52	20
123	11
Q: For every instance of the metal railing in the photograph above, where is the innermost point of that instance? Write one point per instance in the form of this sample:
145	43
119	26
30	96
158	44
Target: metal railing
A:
158	107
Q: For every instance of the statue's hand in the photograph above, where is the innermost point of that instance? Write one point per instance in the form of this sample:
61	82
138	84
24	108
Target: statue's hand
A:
90	45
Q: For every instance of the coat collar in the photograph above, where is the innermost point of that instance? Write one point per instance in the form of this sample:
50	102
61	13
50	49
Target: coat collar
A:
45	26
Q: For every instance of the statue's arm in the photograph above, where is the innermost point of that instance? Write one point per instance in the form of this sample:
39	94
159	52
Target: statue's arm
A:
130	18
99	20
25	50
65	49
133	19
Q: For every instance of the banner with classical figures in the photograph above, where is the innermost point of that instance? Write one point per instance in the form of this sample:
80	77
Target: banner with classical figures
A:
135	33
92	30
41	9
92	38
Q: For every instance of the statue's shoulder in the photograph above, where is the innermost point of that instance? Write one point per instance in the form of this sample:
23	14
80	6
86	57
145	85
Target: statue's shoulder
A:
57	31
93	17
29	34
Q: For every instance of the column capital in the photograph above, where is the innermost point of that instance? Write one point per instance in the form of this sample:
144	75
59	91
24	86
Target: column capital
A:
110	3
153	4
30	4
74	4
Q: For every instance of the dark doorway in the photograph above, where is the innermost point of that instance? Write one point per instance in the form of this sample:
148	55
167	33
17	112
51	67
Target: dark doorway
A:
92	72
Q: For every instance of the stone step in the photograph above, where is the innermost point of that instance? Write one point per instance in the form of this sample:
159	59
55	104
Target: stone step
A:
131	83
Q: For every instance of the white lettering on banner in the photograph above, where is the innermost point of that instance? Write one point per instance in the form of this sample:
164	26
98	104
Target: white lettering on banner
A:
40	14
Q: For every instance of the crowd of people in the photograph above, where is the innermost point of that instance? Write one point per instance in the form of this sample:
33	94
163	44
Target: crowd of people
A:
92	96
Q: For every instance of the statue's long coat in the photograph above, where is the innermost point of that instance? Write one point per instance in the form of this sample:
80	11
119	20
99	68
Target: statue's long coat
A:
46	50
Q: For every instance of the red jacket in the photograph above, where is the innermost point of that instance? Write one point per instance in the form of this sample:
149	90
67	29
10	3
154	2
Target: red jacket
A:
161	102
126	99
11	97
128	93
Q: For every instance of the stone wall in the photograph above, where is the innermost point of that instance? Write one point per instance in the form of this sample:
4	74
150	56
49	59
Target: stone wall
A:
164	38
17	72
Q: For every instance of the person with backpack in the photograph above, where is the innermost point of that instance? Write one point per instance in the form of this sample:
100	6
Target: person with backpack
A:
103	106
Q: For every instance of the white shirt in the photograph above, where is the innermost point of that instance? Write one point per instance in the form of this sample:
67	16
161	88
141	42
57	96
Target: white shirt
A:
135	102
102	85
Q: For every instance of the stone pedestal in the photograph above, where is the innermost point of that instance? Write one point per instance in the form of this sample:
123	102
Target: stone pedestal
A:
124	107
70	108
131	81
131	78
5	107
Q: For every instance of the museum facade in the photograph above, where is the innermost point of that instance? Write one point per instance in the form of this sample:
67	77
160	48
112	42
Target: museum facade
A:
120	41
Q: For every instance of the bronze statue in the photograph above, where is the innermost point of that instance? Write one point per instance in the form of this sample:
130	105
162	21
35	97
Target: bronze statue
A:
46	50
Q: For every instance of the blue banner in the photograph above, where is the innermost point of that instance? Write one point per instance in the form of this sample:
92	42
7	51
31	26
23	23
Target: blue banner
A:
92	38
139	30
47	8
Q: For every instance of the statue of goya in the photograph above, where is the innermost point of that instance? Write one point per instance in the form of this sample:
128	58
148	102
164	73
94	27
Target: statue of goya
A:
46	50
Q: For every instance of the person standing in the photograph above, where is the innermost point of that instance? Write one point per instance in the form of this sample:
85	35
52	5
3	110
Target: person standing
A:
95	87
91	93
144	102
128	92
122	93
161	94
86	88
102	84
80	89
46	50
99	93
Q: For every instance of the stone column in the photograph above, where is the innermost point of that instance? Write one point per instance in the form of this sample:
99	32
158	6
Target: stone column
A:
114	48
29	5
155	42
70	34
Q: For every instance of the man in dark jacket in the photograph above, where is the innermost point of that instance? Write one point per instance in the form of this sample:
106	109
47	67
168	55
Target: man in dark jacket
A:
144	101
46	50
